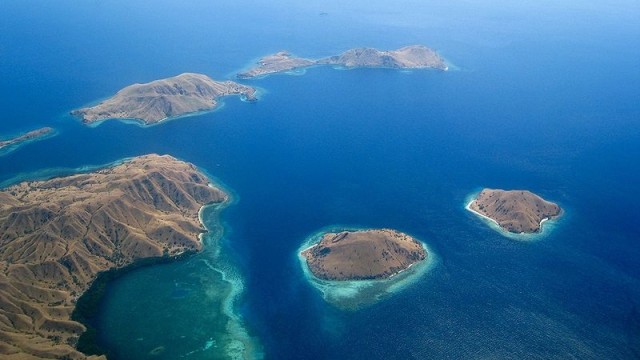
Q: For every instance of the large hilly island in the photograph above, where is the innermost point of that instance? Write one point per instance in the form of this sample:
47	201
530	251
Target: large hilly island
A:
408	57
163	99
363	254
516	211
57	235
30	136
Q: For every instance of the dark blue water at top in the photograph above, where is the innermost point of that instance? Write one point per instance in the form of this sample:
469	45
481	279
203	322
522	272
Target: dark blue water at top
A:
545	97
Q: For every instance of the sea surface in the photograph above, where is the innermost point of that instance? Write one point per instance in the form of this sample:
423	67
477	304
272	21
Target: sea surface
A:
541	95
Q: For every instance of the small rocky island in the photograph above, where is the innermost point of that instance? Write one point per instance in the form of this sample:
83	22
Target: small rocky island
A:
363	254
516	211
30	136
409	57
163	99
279	62
57	235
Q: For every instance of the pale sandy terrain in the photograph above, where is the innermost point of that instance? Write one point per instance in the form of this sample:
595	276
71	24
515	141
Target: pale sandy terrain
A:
517	211
57	235
363	255
163	99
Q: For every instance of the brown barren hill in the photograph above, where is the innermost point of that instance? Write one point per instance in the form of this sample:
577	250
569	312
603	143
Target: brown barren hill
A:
57	235
517	211
409	57
363	255
166	98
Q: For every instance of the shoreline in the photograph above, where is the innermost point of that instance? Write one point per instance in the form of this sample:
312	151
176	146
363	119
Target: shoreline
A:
256	64
16	142
468	207
303	70
298	71
522	236
87	306
52	173
352	295
380	279
143	124
241	341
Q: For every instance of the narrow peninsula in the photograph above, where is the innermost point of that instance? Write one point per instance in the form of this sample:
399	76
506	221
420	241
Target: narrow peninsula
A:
409	57
57	235
34	135
363	255
163	99
515	211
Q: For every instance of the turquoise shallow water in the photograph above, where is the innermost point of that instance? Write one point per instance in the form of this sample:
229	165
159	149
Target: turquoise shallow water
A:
537	102
358	294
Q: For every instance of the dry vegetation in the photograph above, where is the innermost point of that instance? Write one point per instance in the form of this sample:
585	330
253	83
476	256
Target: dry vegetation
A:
516	211
26	137
166	98
409	57
363	255
57	235
279	62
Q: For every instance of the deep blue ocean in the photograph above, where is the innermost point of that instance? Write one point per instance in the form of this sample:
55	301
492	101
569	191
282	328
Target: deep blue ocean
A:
541	95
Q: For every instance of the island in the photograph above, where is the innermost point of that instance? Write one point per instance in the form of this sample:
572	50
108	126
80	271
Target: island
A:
363	255
58	235
515	211
279	62
408	57
30	136
354	268
163	99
